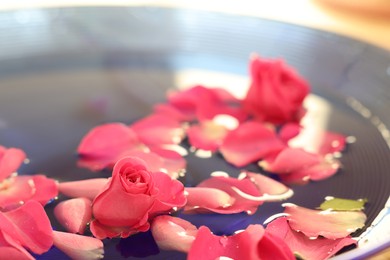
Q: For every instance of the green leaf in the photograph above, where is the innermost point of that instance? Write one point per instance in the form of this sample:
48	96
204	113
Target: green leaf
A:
338	204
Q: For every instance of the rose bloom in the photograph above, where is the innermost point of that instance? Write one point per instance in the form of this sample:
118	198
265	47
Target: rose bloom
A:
132	197
276	92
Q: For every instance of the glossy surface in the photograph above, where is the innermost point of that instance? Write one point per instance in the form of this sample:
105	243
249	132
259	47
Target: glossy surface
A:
63	71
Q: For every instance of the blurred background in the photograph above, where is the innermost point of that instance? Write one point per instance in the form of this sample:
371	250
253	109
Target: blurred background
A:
364	20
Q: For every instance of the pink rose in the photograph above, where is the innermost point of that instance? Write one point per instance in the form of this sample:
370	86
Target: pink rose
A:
276	92
132	197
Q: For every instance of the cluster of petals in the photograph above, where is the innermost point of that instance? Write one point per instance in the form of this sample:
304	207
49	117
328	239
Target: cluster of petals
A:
121	205
105	144
18	189
227	195
316	234
171	233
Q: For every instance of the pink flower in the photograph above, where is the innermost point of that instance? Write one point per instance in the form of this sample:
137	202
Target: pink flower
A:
226	195
171	233
252	243
132	196
250	142
26	227
305	247
326	223
10	161
276	92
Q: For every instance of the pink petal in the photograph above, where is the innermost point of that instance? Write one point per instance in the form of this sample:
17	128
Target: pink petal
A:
243	193
20	189
270	189
273	247
289	131
102	146
243	245
171	194
10	248
292	159
89	188
10	161
46	189
171	233
74	214
319	248
210	199
7	252
29	225
187	101
102	231
158	129
207	135
173	163
319	141
250	243
332	142
78	247
250	142
168	110
329	224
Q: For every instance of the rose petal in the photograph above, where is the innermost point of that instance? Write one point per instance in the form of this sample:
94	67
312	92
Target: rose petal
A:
319	141
171	193
158	129
168	110
173	163
102	146
329	224
289	131
250	142
199	198
102	231
46	189
85	188
74	214
207	135
320	248
243	192
10	161
270	189
77	246
171	233
240	246
11	249
324	169
292	159
29	225
247	244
